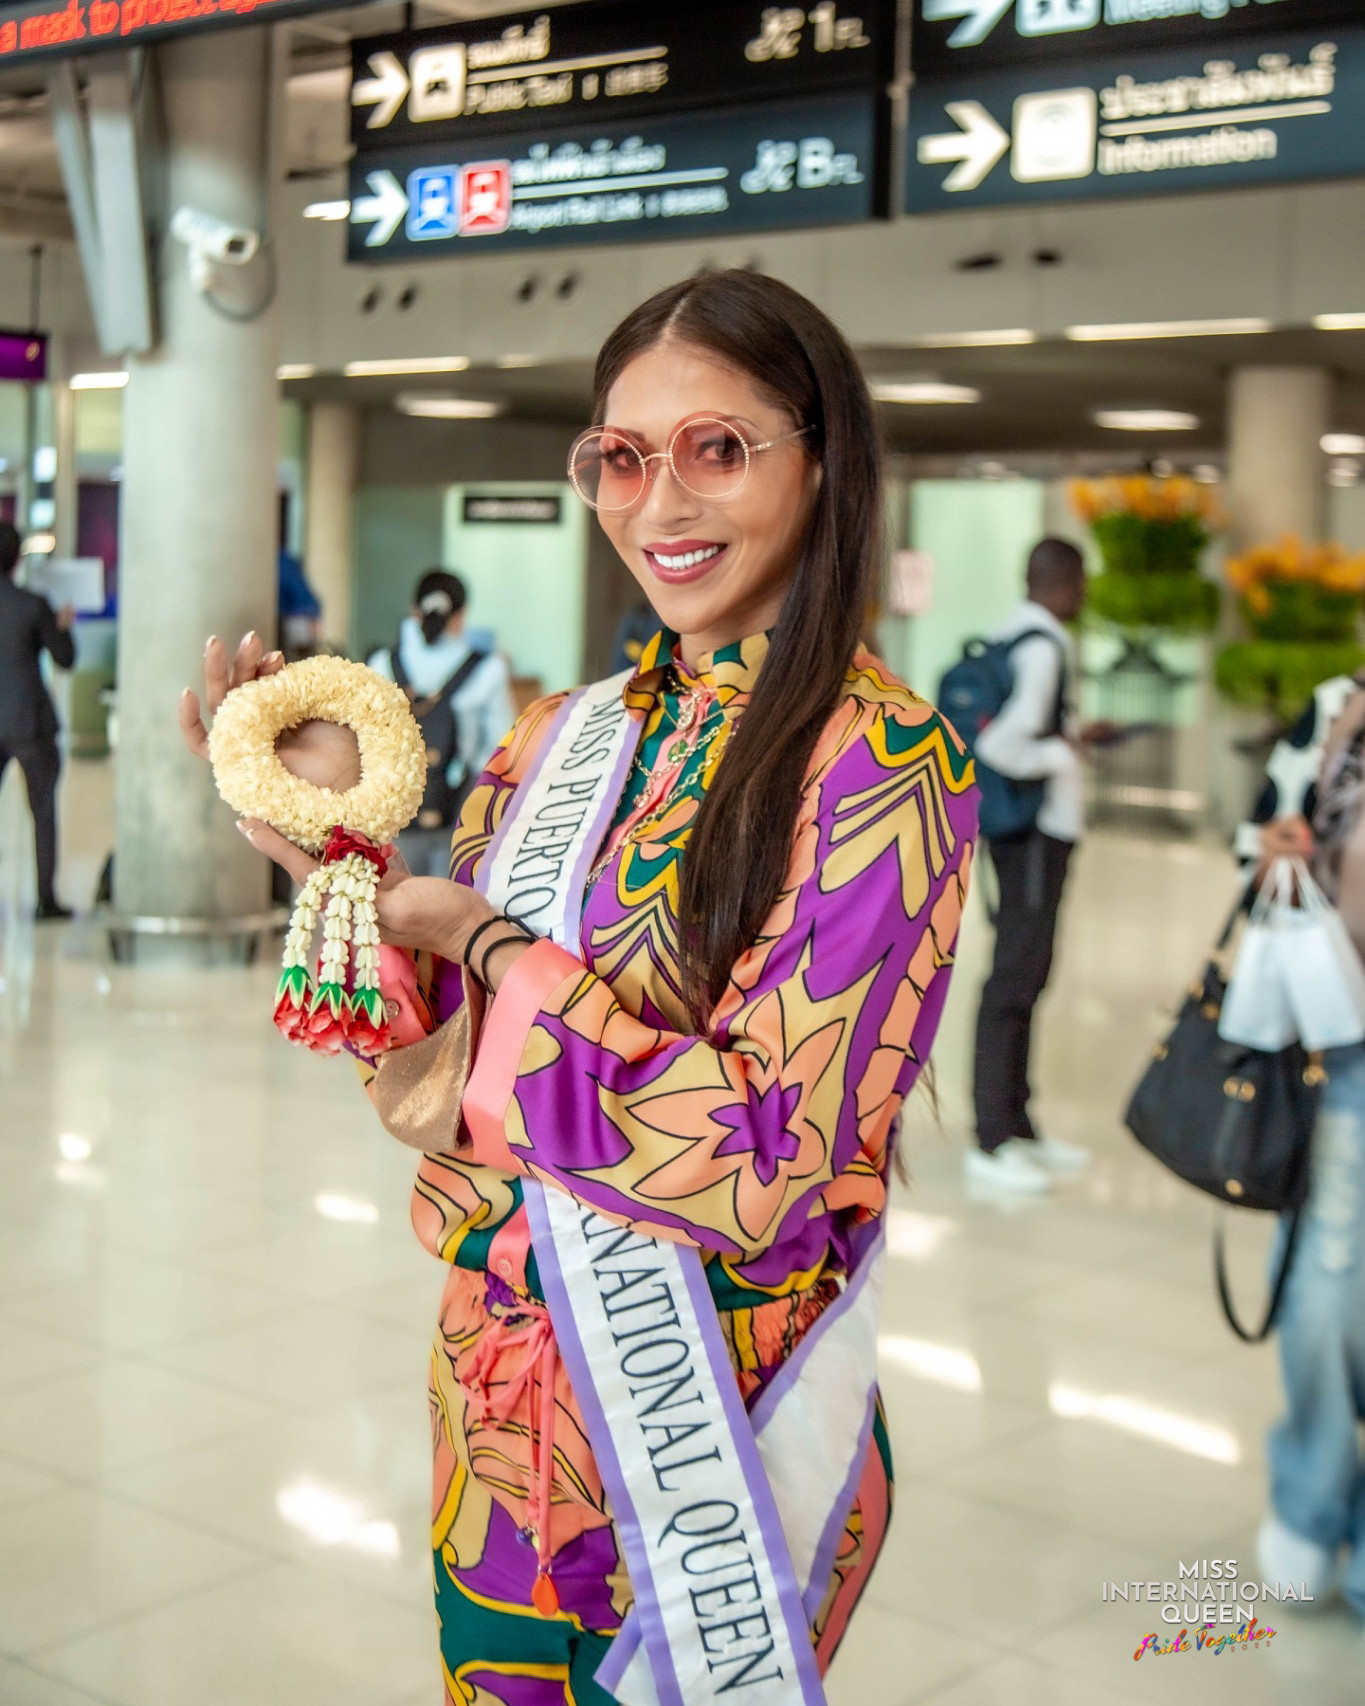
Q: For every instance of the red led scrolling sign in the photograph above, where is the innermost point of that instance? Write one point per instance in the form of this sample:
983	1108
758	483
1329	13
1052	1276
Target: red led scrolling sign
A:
35	29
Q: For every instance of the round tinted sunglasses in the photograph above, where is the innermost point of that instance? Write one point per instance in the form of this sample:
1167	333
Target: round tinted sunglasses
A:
707	455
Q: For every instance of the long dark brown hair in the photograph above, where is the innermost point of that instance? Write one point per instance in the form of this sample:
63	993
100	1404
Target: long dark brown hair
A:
737	858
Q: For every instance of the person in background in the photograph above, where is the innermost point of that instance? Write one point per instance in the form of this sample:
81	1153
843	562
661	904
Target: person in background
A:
460	695
299	609
634	631
1313	807
1031	738
28	720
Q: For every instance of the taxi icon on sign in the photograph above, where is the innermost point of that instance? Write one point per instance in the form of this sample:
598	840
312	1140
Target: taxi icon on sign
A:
485	198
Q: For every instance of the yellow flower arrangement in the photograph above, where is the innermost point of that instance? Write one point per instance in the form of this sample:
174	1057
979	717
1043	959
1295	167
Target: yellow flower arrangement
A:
1150	534
1289	562
1146	497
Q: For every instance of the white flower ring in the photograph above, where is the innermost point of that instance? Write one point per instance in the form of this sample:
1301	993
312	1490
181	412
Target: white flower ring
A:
393	759
347	828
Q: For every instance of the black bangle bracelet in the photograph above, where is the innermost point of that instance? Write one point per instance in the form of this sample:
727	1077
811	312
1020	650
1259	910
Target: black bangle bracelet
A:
488	924
519	933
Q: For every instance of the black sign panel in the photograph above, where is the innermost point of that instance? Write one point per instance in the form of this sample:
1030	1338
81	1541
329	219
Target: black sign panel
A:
953	36
1263	111
42	29
610	61
512	509
787	164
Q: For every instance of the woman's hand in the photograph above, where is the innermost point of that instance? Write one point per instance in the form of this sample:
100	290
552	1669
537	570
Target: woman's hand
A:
221	675
1283	838
421	913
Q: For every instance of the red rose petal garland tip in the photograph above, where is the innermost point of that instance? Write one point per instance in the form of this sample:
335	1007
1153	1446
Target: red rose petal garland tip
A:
344	1005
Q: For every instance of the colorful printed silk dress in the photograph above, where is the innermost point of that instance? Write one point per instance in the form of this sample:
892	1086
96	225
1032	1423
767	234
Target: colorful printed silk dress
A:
769	1149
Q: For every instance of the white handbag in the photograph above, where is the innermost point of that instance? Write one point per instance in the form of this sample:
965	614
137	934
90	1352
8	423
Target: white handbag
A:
1321	969
1256	1009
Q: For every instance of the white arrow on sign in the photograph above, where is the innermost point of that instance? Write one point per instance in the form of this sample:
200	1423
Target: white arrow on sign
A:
979	18
382	210
385	91
976	146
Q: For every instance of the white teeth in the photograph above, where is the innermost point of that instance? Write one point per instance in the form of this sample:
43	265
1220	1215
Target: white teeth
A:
688	559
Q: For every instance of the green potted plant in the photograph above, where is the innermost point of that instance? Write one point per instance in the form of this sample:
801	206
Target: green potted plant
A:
1301	604
1150	533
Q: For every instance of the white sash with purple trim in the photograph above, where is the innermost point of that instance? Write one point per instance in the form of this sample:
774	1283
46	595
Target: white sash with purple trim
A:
729	1519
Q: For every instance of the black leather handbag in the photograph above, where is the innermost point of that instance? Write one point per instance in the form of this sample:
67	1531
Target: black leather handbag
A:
1232	1121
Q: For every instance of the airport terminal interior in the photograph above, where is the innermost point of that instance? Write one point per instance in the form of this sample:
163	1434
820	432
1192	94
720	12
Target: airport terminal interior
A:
299	303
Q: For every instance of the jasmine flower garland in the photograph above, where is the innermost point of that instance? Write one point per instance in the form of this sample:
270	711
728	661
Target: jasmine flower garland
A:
348	829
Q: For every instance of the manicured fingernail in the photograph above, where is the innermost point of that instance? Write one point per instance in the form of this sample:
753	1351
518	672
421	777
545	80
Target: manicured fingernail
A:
245	828
210	642
273	657
249	636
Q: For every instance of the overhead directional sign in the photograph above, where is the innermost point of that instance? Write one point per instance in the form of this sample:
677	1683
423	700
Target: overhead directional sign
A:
951	36
787	164
610	60
1267	110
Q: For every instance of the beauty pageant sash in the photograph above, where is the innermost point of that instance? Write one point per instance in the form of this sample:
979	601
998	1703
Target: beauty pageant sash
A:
730	1520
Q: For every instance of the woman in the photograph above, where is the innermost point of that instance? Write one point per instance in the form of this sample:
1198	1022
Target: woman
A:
459	695
767	839
1313	807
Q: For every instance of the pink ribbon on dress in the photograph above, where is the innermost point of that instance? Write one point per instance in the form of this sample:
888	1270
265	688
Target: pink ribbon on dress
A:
534	1378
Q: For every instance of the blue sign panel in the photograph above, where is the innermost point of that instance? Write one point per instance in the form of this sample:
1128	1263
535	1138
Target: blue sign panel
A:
1261	111
788	164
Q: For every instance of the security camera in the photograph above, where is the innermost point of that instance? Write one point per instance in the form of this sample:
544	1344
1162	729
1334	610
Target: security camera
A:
212	242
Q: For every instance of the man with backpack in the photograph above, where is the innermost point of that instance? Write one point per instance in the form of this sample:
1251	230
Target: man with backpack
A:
1008	699
460	696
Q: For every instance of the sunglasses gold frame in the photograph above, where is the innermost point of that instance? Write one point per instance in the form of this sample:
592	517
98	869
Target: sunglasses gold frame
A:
666	455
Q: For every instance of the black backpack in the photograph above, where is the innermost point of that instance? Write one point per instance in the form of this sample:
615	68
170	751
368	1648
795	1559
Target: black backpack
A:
441	800
973	692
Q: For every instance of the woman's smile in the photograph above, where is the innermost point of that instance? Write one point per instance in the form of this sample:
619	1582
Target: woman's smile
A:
678	560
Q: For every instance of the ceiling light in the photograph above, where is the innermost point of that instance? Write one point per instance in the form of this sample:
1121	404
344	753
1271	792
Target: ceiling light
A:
1145	420
518	361
449	408
73	1147
295	370
109	381
975	340
417	364
1165	1427
1343	474
1167	329
923	391
329	210
1342	444
1339	322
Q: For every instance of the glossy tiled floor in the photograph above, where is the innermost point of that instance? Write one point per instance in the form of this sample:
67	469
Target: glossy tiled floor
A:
214	1320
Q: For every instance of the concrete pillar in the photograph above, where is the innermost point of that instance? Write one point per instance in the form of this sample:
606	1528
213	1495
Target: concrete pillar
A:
66	486
199	476
333	463
1276	485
